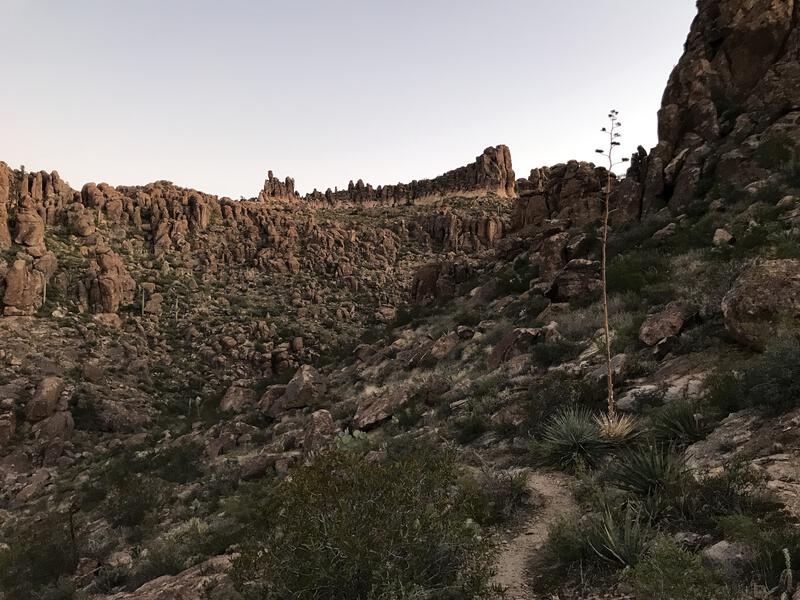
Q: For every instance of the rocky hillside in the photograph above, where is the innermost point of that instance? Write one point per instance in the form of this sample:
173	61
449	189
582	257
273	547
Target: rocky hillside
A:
198	394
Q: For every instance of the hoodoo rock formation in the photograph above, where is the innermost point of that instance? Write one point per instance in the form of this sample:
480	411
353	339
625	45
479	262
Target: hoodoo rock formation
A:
491	173
275	189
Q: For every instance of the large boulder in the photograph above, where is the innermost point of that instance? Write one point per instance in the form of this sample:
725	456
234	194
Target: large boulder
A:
23	290
319	430
45	399
238	398
666	323
30	228
764	302
306	388
578	280
377	409
436	281
107	285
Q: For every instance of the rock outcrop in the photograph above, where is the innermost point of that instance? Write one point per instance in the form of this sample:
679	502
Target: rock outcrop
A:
764	302
730	114
275	189
491	173
107	285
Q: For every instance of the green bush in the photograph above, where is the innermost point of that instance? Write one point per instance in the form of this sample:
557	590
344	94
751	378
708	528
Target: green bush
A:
633	271
132	501
668	572
38	558
617	536
724	392
571	439
179	463
776	151
470	428
345	528
769	537
772	382
647	471
737	489
497	496
548	354
680	422
604	541
556	391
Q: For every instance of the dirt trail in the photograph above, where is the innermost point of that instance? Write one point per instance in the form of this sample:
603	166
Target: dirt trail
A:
515	554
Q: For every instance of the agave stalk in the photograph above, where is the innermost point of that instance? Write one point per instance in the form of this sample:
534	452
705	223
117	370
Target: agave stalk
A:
613	141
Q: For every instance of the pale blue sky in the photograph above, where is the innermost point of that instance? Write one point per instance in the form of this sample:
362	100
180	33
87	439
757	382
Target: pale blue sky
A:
212	94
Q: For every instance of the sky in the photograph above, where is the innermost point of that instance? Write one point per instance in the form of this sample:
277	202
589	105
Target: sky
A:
211	95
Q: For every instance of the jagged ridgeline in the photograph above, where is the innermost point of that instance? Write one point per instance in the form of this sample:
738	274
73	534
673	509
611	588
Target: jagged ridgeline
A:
203	397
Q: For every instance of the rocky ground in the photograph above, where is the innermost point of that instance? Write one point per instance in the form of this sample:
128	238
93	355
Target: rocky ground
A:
163	352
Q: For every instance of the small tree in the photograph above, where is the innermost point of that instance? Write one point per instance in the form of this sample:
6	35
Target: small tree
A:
613	133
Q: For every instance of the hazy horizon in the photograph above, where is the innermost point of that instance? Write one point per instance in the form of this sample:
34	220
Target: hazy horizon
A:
212	96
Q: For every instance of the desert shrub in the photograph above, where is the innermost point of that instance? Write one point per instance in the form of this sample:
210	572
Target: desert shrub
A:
769	194
603	541
187	545
770	537
410	414
38	559
548	354
349	529
680	422
497	495
737	489
162	557
516	279
468	317
636	270
647	471
557	391
131	501
724	392
772	382
108	578
570	439
179	463
634	234
470	427
617	536
775	151
668	572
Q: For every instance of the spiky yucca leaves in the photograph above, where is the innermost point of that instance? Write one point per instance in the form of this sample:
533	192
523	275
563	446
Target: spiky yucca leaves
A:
648	471
571	438
617	536
617	428
680	422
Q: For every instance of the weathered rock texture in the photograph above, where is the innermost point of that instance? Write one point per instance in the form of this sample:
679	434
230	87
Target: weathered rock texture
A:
731	110
764	302
491	173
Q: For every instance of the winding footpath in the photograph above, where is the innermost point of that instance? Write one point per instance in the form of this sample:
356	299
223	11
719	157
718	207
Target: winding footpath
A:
518	553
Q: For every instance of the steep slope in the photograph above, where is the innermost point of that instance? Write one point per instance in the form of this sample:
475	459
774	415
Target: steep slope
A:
168	358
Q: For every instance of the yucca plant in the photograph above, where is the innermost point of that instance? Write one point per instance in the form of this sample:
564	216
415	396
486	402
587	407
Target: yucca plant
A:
680	422
618	537
617	428
572	438
647	471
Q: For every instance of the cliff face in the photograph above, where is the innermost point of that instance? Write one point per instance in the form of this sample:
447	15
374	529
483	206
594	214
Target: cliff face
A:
491	173
729	122
731	110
